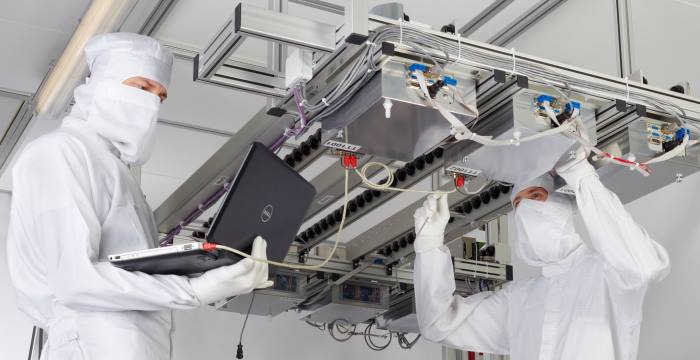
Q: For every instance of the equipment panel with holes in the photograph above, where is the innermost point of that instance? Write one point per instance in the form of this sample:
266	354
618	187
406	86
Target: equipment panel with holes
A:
407	105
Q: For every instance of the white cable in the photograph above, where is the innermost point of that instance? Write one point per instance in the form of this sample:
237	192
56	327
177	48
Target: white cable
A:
477	191
386	185
459	46
296	266
462	133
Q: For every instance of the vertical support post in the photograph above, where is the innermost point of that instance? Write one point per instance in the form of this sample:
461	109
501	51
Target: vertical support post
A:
356	23
36	344
276	53
624	37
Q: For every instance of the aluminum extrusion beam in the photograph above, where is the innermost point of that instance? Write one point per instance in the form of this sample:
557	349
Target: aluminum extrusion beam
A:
524	21
236	74
156	17
373	272
265	24
241	76
321	5
218	50
18	124
483	17
624	36
691	105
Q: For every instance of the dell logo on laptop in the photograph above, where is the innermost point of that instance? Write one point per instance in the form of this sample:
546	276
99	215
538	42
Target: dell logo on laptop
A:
266	213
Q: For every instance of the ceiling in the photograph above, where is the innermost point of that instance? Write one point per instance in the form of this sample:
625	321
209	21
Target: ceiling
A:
34	32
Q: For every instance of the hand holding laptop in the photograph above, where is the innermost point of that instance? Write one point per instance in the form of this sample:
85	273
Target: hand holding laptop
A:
231	280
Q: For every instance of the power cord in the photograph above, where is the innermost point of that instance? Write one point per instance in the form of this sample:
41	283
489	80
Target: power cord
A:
386	184
239	350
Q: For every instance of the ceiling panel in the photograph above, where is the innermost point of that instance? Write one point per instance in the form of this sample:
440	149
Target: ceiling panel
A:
664	41
26	59
207	105
195	22
157	187
579	33
55	16
179	152
32	34
8	108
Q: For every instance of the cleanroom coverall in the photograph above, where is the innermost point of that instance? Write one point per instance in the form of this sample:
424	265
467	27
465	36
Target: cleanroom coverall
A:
587	305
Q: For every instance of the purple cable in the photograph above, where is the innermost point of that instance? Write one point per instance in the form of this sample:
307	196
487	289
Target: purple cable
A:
168	239
300	110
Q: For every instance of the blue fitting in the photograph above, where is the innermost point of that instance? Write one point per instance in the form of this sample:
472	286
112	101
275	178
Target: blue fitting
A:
545	98
449	80
417	66
576	106
681	133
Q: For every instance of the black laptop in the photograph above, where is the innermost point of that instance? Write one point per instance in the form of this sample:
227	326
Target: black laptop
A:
267	198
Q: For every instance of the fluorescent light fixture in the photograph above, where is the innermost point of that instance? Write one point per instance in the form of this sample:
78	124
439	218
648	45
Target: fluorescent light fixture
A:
56	91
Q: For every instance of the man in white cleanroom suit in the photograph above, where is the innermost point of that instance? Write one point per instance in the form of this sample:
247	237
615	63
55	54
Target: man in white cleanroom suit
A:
587	304
74	201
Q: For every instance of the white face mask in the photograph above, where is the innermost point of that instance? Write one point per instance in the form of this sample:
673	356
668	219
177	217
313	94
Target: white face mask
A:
126	116
545	231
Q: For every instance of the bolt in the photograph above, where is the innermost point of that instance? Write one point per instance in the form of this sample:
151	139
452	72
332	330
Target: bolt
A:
340	134
465	160
572	154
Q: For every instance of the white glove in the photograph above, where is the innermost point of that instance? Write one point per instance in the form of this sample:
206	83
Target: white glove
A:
237	279
430	222
576	169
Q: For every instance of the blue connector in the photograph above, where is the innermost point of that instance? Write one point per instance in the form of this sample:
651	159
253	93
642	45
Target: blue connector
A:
576	105
417	66
681	133
545	98
449	80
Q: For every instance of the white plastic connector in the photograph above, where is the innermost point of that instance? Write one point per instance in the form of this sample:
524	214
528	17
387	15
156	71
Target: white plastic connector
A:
632	158
517	134
679	178
298	67
387	107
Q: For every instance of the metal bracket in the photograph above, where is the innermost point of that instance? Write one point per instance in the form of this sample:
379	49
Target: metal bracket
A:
213	64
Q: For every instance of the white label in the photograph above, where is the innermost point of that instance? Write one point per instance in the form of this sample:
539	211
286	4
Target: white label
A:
566	189
342	146
463	170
